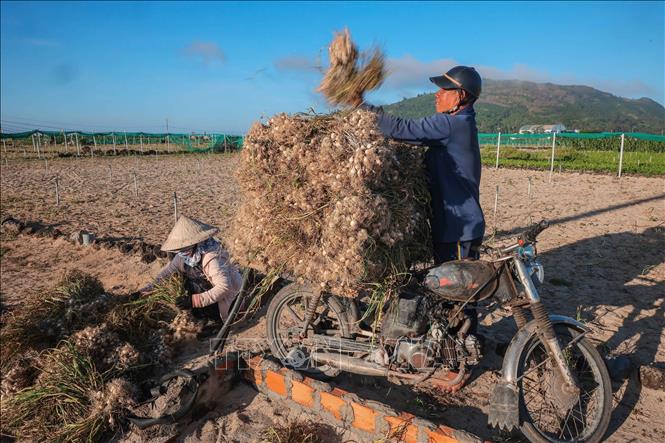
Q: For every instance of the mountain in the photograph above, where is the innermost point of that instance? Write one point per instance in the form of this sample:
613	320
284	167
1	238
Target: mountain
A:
509	104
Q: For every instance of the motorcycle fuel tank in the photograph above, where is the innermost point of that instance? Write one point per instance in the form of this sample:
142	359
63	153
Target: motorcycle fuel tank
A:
457	280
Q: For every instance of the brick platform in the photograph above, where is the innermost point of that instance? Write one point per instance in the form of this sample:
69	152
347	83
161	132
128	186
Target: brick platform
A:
344	409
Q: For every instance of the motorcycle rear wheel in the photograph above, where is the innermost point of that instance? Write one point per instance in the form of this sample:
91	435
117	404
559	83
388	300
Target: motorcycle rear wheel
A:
542	419
284	321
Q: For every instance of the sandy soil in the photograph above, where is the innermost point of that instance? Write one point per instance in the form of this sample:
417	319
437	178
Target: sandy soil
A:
604	261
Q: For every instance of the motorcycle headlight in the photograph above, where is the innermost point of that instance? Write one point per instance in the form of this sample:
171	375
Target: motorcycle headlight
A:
527	252
537	269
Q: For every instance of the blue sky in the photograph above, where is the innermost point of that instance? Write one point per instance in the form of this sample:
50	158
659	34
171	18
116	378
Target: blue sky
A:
221	66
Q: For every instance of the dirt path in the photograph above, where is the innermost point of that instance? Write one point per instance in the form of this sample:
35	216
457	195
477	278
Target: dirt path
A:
604	261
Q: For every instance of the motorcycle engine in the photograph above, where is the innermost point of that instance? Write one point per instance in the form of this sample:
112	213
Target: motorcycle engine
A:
406	318
418	354
421	332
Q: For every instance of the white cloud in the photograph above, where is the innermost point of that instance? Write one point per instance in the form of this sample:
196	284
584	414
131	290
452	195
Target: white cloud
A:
408	74
298	63
207	51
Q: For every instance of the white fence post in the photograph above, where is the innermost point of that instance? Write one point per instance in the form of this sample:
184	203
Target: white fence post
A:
498	147
78	146
623	136
552	159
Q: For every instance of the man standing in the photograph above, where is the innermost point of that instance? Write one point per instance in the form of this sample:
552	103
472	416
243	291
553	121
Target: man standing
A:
452	160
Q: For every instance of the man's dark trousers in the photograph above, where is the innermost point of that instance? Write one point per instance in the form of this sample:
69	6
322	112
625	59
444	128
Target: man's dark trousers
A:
444	252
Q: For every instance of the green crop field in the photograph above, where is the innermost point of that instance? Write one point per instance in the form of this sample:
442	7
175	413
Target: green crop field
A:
642	162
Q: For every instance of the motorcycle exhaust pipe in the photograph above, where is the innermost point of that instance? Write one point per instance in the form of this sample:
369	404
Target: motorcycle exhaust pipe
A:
363	367
349	364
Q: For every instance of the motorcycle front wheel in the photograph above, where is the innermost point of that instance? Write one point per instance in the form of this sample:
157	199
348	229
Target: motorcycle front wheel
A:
547	413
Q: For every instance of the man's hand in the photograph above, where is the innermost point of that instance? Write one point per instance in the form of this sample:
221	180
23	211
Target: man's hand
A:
357	101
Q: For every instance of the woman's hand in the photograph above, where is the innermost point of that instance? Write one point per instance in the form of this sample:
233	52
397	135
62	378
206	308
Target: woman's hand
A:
184	302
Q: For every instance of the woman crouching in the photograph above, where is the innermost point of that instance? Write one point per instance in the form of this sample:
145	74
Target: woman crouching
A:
210	277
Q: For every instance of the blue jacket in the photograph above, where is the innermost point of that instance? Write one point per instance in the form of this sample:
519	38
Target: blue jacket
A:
453	164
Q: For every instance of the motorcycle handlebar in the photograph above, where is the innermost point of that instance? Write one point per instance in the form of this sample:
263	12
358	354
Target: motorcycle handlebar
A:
529	236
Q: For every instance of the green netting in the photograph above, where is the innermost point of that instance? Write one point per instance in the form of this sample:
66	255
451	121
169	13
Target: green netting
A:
600	141
189	142
574	135
226	142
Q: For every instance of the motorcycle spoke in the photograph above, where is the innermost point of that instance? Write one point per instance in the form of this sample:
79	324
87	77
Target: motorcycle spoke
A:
293	314
548	358
539	384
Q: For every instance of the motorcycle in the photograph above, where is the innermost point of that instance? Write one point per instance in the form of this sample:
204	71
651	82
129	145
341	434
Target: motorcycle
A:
554	384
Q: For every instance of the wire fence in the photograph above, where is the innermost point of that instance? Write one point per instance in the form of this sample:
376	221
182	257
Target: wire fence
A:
631	152
636	153
44	144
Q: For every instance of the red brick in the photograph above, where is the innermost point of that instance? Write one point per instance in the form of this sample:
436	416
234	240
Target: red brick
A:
255	363
363	417
338	392
401	427
302	394
436	436
276	383
333	404
446	430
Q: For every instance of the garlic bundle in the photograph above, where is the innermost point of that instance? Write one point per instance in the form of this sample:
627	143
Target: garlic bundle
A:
329	200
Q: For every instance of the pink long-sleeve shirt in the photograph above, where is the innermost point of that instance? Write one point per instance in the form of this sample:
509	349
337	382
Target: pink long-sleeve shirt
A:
218	270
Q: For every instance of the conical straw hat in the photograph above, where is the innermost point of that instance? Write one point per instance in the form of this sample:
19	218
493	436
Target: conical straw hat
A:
187	232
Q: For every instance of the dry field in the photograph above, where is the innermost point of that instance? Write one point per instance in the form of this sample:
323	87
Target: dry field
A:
604	261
